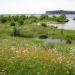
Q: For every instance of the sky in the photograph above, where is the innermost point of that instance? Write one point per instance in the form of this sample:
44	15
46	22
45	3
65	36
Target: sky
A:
34	6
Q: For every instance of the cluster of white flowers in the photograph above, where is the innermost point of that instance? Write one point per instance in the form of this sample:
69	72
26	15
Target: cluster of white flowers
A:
72	52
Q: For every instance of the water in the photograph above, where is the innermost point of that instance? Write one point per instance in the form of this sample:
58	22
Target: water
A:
67	26
51	40
55	40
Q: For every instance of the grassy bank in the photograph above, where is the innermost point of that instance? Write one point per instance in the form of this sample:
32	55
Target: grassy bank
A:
30	30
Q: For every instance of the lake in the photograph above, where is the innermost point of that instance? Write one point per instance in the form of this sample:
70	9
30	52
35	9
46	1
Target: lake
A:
67	26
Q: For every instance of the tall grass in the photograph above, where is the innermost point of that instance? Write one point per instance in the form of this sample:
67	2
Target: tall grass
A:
20	56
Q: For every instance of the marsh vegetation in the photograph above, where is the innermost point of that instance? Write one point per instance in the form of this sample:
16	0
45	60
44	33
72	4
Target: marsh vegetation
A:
23	52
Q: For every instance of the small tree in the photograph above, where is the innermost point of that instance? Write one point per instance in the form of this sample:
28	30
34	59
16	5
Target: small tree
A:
3	19
62	18
68	41
73	18
44	24
62	31
15	18
21	22
12	24
44	16
15	32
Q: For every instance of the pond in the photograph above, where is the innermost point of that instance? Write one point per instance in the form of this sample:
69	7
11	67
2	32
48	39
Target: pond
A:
67	26
52	40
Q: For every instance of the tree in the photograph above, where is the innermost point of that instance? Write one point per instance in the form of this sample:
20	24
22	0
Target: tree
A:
15	18
62	18
44	24
68	41
73	18
3	19
21	22
44	16
15	32
12	23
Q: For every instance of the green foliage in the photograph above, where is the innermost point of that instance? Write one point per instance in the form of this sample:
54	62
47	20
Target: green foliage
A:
74	18
15	32
3	19
62	18
68	41
23	17
43	37
24	56
32	19
21	22
15	18
44	25
12	24
26	34
44	16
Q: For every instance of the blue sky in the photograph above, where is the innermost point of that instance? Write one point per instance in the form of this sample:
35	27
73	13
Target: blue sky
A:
34	6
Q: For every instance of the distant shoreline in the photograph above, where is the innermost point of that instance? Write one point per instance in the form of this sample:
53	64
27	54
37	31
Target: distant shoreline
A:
52	12
60	12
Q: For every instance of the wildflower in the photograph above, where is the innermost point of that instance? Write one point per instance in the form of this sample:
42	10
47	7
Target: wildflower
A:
38	73
67	72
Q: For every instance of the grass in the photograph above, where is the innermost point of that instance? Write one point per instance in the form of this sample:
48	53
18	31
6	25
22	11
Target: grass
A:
26	55
30	30
19	56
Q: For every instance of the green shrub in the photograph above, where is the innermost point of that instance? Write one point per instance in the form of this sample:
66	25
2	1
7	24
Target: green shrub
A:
62	18
15	32
15	18
21	22
44	25
43	16
74	18
3	19
68	41
43	37
12	23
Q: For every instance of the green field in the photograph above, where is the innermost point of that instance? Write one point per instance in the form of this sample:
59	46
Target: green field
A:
22	54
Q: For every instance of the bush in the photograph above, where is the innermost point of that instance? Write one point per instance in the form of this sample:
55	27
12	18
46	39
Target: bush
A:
68	41
74	18
3	19
21	22
44	24
62	18
44	16
12	23
15	32
43	37
15	18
